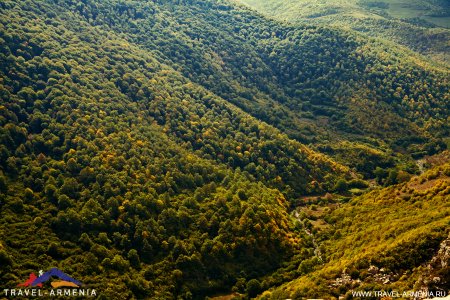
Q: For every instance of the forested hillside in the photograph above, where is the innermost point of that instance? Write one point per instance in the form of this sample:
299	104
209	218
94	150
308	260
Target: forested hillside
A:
314	84
421	25
154	160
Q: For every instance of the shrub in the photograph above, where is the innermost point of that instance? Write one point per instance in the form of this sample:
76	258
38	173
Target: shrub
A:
253	288
341	186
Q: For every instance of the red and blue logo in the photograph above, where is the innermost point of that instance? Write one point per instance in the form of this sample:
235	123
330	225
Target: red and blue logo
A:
64	279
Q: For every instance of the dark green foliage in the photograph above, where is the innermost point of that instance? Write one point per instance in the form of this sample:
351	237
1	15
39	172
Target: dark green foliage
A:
133	257
253	288
84	241
380	174
392	177
358	183
341	186
3	184
5	259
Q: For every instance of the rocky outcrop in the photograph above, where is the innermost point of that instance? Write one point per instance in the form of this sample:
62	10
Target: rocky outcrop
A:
374	275
436	276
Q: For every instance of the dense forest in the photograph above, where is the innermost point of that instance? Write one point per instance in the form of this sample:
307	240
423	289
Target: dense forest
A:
420	25
159	149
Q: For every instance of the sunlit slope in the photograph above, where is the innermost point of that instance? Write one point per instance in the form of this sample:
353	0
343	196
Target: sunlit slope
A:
383	240
420	25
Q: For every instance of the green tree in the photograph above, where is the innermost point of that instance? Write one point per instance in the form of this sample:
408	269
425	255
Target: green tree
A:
133	257
253	288
341	185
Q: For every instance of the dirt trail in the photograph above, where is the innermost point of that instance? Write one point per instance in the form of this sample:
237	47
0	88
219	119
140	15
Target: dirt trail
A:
317	252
